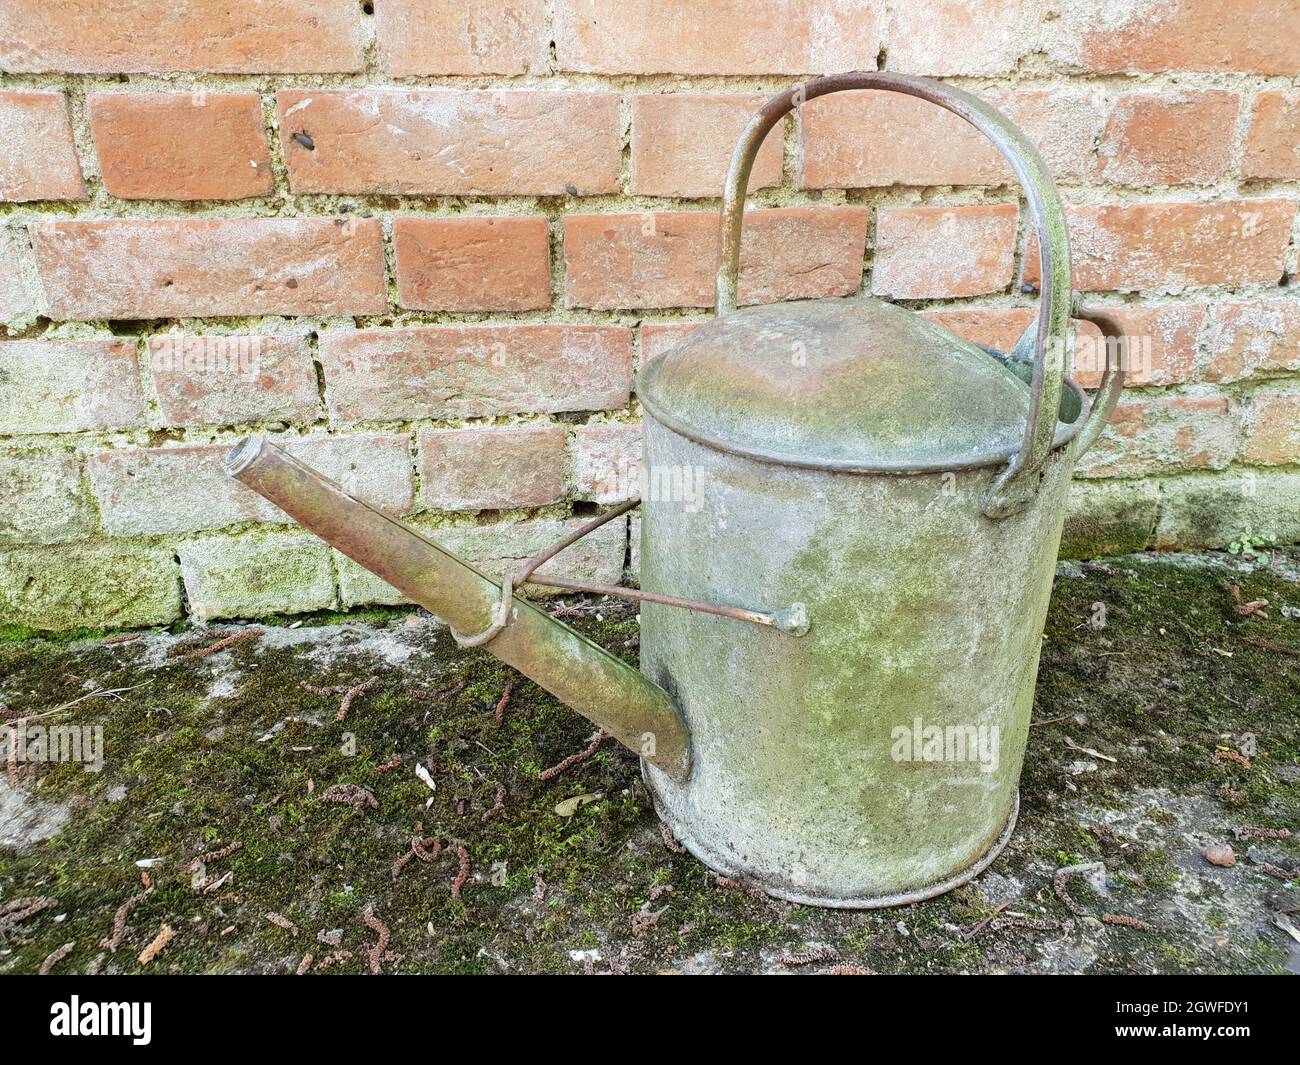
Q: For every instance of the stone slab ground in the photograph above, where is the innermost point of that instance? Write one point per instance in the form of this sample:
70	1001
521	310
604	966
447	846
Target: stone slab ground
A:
1139	760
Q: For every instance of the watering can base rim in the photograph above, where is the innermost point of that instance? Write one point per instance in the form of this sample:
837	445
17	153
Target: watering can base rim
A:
726	867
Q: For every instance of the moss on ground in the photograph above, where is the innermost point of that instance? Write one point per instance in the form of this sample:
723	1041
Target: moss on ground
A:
200	753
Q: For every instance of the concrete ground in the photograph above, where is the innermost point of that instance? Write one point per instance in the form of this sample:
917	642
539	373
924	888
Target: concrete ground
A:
236	824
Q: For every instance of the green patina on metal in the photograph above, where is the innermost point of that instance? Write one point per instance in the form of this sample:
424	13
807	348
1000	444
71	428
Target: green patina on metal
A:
900	488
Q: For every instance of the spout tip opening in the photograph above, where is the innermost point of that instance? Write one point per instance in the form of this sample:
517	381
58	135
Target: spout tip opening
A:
243	454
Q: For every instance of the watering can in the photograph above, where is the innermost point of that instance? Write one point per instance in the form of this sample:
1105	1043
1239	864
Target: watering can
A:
840	633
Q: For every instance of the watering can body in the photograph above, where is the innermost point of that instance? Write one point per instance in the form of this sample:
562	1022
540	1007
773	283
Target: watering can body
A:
841	622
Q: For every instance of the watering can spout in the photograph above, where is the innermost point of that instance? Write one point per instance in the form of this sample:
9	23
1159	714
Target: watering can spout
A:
611	693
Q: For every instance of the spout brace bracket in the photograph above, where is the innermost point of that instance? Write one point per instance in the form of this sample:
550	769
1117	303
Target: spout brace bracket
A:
793	620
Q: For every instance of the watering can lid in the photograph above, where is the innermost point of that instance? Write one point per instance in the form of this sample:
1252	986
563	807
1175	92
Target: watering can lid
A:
845	384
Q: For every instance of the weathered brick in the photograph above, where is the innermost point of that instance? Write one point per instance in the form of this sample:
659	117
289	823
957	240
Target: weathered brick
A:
1165	435
1254	338
607	461
1215	510
278	573
1273	429
1107	518
433	37
669	259
658	337
928	252
1178	138
98	586
874	139
492	468
1273	143
495	549
1100	35
38	159
219	379
18	302
470	371
151	491
42	502
938	37
1161	345
1172	246
199	267
451	142
154	36
680	37
993	327
633	573
181	146
473	264
682	143
68	386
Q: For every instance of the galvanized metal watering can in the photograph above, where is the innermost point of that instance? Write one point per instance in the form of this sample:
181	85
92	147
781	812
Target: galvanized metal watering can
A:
840	635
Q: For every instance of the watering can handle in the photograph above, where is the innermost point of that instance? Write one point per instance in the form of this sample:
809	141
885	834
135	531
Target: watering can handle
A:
1016	484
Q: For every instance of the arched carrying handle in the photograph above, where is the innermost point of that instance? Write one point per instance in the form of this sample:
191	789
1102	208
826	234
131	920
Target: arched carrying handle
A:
1018	482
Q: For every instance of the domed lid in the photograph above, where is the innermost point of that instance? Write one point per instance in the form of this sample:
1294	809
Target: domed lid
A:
845	384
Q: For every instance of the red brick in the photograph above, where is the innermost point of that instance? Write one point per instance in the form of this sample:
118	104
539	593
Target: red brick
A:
229	380
38	159
1181	138
181	146
471	371
873	139
669	259
1161	342
928	252
68	386
659	337
1273	144
153	491
938	37
607	462
179	268
1171	246
492	469
155	36
684	37
992	327
682	143
1165	435
452	142
1255	37
1273	432
473	264
433	37
1259	337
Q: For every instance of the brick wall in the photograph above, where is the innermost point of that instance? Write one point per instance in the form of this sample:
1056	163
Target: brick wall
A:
426	242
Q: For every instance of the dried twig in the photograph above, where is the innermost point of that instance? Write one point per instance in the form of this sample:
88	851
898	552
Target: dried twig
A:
574	759
353	795
392	763
119	921
281	922
330	960
1063	874
377	952
846	970
220	645
352	693
1231	756
442	693
1267	645
1262	833
208	858
498	804
462	874
305	964
1125	921
500	713
670	841
157	945
53	958
125	637
810	957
